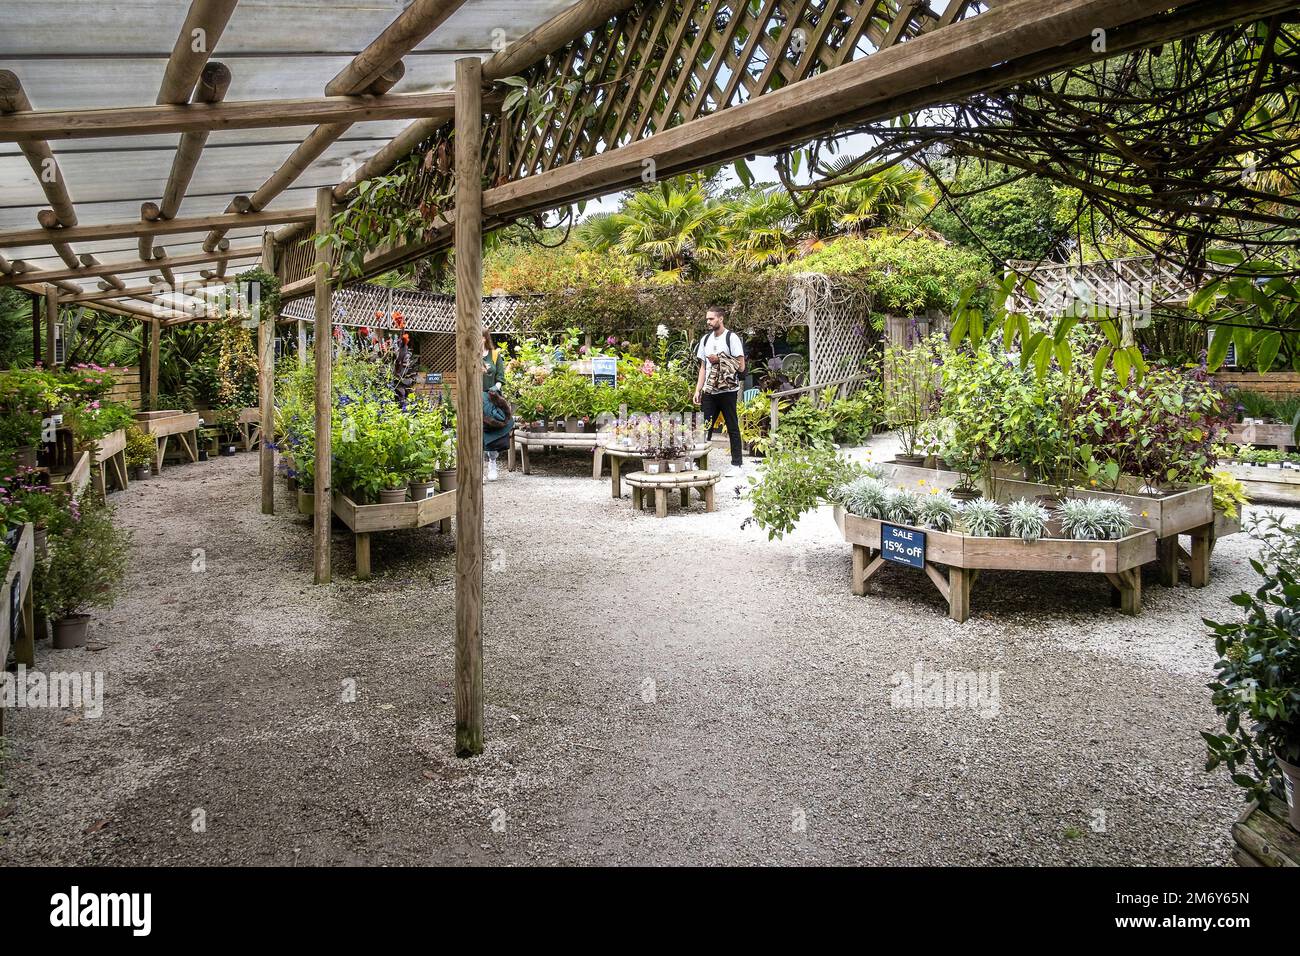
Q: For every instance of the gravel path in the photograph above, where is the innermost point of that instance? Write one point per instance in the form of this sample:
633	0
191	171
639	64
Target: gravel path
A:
676	691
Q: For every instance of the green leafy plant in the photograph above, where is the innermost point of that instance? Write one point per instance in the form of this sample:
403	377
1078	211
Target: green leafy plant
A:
1256	685
140	448
795	480
1229	494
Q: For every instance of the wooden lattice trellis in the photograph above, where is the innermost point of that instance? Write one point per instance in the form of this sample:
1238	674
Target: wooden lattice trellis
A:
841	339
373	306
1125	287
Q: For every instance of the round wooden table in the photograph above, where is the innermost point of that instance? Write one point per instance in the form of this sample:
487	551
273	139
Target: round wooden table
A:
617	456
682	481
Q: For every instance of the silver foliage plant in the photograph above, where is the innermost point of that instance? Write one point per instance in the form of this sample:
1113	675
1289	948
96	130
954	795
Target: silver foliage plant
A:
1027	520
982	518
864	497
901	506
1095	519
938	511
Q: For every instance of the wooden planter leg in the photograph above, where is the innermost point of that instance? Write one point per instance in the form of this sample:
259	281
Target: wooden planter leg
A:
661	502
1167	560
510	455
597	463
636	498
686	497
25	649
858	580
959	585
363	554
1200	562
161	454
1128	587
615	481
101	479
709	501
523	459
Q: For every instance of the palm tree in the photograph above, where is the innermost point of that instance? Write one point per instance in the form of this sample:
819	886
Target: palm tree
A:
762	228
672	229
894	196
599	232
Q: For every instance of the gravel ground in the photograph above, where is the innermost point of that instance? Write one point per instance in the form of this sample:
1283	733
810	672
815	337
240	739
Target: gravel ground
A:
677	691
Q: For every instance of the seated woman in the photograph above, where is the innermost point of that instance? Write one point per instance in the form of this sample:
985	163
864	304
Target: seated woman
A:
497	425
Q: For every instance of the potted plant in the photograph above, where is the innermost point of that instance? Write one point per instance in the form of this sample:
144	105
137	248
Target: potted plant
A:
1256	687
394	488
140	451
85	568
447	463
909	396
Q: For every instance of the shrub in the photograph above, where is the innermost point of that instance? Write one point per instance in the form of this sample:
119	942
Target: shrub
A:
140	448
1094	519
795	480
86	564
1256	685
901	506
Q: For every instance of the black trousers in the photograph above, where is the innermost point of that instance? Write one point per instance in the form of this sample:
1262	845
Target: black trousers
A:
724	402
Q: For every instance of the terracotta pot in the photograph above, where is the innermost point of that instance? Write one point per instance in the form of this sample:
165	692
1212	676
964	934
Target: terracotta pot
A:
654	466
966	494
422	489
914	460
447	479
392	496
70	632
1291	785
573	425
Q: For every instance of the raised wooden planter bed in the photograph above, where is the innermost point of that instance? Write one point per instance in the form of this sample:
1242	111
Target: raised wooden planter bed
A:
964	556
76	479
109	458
17	596
163	425
1264	837
250	427
364	520
1272	485
1272	434
1188	511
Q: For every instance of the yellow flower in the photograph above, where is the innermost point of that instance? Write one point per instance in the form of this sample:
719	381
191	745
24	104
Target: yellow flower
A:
1144	514
934	491
920	481
1093	482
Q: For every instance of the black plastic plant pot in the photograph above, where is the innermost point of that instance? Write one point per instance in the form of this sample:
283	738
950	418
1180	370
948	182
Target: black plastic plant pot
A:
227	451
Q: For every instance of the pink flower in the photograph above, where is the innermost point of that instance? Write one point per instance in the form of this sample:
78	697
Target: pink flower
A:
648	367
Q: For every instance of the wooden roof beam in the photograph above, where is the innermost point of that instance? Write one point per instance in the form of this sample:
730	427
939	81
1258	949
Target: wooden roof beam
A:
401	36
212	87
154	229
193	259
555	33
203	26
242	114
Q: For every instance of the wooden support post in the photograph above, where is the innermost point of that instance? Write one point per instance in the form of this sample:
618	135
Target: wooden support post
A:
51	320
469	407
266	383
302	343
362	541
858	582
324	504
36	329
959	584
1167	560
1199	566
155	346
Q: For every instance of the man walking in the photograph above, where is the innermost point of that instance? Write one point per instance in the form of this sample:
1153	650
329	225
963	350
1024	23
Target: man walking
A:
722	364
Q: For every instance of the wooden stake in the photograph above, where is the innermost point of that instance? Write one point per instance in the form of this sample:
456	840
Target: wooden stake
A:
324	491
469	408
51	320
302	343
266	381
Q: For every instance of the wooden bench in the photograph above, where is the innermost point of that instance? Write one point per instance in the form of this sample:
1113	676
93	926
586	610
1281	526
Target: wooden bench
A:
682	481
364	520
250	427
75	480
953	561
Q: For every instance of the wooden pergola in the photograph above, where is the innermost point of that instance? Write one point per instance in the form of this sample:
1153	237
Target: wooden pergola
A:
203	124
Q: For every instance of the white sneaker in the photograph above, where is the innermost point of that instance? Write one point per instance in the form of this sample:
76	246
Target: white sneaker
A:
735	471
492	470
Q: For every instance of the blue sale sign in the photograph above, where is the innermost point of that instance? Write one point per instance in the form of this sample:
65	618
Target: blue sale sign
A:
902	545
